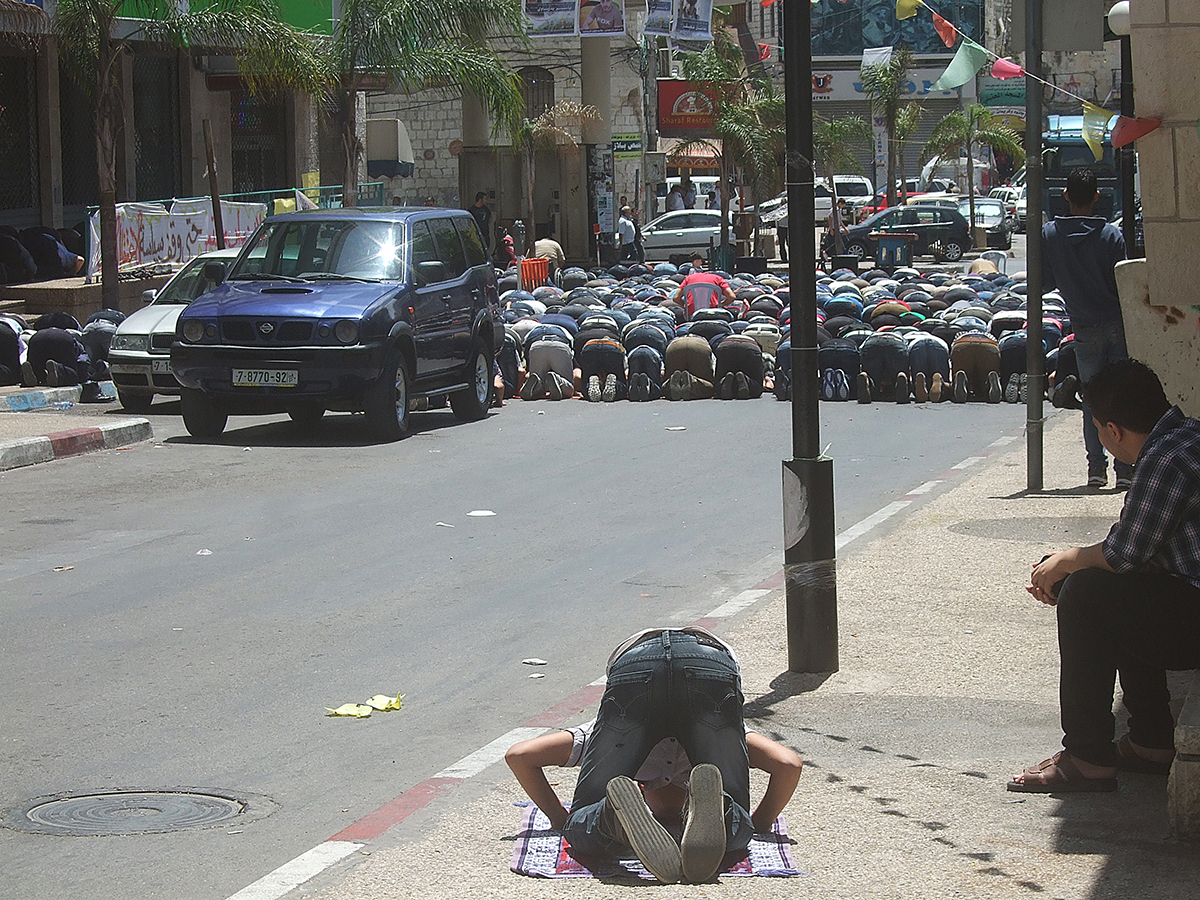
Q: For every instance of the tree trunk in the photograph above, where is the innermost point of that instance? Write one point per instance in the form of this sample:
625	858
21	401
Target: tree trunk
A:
351	147
891	161
106	162
837	231
530	173
971	179
725	182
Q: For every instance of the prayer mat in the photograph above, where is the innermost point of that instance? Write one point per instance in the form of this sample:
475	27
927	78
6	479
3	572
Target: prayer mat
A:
542	852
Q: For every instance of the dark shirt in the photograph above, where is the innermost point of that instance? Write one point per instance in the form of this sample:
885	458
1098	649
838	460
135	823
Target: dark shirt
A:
1159	528
483	216
1079	254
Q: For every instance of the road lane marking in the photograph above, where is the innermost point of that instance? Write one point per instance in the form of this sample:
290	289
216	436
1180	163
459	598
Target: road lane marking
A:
924	488
876	518
968	462
736	604
474	763
275	884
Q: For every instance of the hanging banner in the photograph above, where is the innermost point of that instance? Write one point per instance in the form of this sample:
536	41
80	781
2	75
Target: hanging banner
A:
601	18
875	56
660	17
551	18
693	20
1095	124
967	61
947	32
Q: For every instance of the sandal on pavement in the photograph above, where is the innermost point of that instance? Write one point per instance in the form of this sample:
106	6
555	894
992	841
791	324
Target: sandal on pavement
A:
1129	760
1059	775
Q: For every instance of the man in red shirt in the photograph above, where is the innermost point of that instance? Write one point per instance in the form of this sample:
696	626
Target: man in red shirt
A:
699	276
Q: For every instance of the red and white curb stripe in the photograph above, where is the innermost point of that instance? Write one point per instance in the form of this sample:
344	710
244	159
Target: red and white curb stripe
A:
31	450
276	884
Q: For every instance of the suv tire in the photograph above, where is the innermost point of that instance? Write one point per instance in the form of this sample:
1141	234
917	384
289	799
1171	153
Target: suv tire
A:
387	402
201	416
138	403
952	250
472	403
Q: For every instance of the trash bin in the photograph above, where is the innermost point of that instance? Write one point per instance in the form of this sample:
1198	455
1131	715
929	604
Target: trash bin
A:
722	259
535	272
893	248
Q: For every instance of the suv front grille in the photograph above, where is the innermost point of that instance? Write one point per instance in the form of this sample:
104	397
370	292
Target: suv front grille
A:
266	331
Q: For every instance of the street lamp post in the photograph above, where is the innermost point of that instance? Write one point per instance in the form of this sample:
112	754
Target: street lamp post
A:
808	556
1118	23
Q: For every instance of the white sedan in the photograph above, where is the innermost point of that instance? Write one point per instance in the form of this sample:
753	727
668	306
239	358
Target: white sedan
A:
683	231
140	356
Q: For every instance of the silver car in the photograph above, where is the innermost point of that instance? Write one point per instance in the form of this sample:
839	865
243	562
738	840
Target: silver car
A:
681	232
140	356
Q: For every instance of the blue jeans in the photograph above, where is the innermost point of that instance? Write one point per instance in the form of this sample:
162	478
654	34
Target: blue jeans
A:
669	685
1096	345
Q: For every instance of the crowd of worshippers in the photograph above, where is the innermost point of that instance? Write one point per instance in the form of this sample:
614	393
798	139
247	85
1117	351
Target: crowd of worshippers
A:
39	254
55	350
643	333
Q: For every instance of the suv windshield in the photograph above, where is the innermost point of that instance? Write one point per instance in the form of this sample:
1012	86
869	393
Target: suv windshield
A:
326	249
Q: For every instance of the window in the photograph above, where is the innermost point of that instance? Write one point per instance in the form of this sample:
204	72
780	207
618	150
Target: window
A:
449	247
476	255
537	89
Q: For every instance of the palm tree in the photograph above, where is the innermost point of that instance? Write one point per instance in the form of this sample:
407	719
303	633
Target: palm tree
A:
906	124
885	86
271	55
545	132
419	44
962	131
832	143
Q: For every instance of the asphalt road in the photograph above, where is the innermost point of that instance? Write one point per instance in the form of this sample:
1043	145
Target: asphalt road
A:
145	663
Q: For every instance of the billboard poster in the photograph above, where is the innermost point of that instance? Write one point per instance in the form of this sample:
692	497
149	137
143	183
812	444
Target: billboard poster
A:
660	17
693	20
551	18
601	18
847	27
684	109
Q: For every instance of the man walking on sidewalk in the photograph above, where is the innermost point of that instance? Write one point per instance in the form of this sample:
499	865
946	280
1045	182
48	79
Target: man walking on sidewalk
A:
668	749
1131	603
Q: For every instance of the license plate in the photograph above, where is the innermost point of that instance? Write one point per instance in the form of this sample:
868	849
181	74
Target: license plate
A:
265	378
160	366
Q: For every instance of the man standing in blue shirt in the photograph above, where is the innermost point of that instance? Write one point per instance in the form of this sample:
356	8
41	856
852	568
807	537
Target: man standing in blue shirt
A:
1131	603
1079	255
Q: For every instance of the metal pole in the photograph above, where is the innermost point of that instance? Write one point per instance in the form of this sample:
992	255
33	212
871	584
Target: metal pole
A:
1035	352
1128	217
809	557
213	189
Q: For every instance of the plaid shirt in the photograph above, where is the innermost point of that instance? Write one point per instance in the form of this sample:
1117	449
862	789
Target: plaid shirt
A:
1159	528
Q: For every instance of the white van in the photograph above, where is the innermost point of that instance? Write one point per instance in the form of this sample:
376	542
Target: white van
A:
703	184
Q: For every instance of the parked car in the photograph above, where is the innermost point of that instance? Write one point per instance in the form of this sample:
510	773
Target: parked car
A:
1021	208
140	356
941	232
993	216
343	309
680	232
950	201
771	211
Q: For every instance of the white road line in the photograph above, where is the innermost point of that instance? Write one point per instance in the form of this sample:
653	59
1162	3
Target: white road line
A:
861	528
923	488
1005	441
275	884
736	604
474	763
968	462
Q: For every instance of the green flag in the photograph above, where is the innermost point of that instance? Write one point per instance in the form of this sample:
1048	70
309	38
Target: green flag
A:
967	61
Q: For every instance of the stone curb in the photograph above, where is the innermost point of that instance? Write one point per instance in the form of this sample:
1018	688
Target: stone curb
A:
46	398
109	436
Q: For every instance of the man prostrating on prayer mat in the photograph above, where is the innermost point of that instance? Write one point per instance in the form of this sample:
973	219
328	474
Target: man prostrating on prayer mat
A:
665	765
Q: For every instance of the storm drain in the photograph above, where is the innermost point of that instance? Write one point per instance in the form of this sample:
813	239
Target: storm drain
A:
131	812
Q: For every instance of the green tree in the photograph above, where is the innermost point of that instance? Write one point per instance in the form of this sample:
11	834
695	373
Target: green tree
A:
271	55
749	118
833	143
962	131
906	125
544	133
885	86
419	44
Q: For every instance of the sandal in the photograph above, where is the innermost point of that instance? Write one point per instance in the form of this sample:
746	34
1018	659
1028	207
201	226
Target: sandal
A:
1129	760
1060	775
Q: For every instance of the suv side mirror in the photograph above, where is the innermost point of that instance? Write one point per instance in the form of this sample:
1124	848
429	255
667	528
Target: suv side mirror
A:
148	296
214	272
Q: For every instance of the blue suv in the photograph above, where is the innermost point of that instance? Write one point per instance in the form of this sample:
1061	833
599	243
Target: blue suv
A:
346	309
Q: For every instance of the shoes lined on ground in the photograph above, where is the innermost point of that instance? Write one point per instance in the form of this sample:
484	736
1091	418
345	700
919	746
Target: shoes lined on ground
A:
678	386
726	386
741	386
937	388
1023	388
554	390
90	393
961	391
993	387
1123	482
651	842
28	378
828	384
1063	395
703	845
902	395
609	392
920	389
1098	479
56	374
864	388
594	391
1012	388
841	386
639	387
532	388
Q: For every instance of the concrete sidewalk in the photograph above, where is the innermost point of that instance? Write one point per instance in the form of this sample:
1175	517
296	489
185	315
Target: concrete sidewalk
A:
948	685
45	423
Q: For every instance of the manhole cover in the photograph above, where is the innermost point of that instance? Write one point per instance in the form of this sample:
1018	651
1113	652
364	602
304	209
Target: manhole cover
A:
131	812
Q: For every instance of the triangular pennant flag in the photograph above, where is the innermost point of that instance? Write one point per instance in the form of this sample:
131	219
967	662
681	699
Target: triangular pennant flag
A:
302	201
1095	121
766	3
947	32
764	52
1128	130
967	61
876	56
906	9
1006	68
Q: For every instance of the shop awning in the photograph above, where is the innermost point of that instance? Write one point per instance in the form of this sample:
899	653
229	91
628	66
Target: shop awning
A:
690	153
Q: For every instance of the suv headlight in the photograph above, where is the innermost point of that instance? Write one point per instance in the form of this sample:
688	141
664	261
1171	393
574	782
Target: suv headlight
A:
193	330
346	331
137	342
